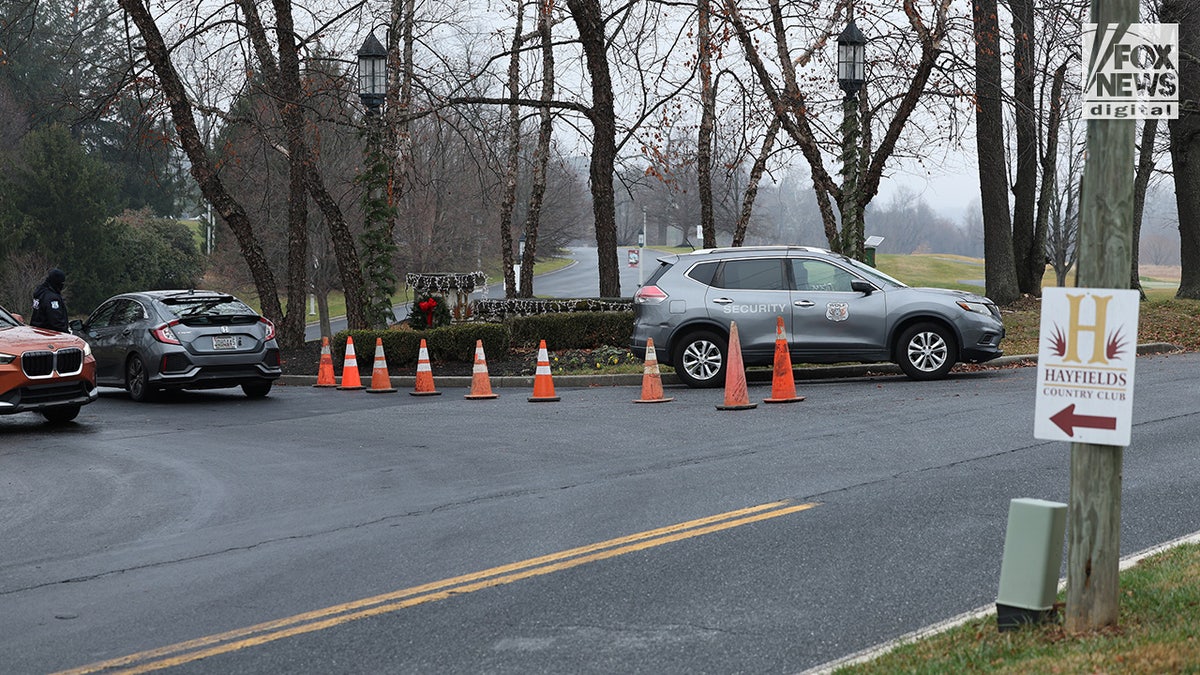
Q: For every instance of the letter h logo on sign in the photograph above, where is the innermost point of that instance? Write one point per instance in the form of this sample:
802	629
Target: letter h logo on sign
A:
1086	358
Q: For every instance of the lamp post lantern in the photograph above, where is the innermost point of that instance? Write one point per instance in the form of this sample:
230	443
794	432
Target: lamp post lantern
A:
851	75
372	74
852	59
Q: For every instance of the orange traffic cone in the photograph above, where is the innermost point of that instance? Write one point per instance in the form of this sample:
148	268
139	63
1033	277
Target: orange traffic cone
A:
481	386
325	376
652	391
783	384
380	382
424	384
736	395
350	368
543	385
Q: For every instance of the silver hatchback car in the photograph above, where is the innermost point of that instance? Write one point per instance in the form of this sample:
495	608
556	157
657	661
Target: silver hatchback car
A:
151	341
834	309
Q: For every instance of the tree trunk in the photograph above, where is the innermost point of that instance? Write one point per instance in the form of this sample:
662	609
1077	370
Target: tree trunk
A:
999	267
201	168
1141	182
541	160
512	156
1029	256
292	115
590	23
756	172
1185	143
1047	199
708	106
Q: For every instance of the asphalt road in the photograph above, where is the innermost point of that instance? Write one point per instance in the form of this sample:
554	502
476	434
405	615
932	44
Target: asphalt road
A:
397	534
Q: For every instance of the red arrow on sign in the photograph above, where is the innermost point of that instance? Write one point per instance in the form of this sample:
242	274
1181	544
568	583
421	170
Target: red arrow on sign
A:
1067	420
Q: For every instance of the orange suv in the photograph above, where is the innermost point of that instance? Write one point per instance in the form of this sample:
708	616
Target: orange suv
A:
44	371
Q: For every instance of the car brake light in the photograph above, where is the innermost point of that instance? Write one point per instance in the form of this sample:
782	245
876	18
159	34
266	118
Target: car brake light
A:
649	295
164	333
270	329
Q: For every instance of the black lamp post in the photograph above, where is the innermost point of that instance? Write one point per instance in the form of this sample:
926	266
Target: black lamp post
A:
372	74
851	74
376	237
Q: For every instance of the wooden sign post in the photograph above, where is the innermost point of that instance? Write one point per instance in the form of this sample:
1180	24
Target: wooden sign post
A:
1105	255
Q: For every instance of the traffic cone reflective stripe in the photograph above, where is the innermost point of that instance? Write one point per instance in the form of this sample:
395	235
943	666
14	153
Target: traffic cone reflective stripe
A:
481	386
736	395
652	391
350	379
424	384
543	384
325	376
783	383
380	382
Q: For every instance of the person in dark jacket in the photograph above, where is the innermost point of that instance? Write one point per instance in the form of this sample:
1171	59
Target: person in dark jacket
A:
49	308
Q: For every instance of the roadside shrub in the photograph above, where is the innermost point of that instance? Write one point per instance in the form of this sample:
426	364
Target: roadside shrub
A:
572	330
402	346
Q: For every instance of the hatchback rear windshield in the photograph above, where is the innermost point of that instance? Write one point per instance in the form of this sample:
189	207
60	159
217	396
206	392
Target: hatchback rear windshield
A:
190	307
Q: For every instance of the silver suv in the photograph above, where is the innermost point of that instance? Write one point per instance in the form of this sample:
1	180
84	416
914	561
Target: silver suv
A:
834	309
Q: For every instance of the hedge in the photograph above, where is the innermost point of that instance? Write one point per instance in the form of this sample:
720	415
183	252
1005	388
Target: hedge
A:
455	342
574	330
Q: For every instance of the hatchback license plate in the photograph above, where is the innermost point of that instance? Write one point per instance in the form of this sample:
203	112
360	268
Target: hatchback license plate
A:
224	342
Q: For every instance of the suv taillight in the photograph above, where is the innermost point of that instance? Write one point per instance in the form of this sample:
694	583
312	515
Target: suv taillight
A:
164	333
270	329
649	295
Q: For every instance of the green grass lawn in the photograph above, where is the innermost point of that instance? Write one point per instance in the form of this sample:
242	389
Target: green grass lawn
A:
1158	631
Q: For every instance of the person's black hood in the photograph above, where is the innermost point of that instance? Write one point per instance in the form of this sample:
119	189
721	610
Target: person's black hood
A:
56	278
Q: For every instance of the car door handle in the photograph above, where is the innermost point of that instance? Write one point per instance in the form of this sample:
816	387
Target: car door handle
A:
723	301
803	303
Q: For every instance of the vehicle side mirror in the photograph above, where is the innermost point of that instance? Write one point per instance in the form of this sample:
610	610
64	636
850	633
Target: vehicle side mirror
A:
76	326
861	286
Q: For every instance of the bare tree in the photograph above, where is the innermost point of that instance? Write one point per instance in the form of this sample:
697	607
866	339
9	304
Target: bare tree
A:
541	157
916	50
159	56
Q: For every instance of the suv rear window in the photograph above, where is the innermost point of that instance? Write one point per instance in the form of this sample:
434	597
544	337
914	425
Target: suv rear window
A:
704	272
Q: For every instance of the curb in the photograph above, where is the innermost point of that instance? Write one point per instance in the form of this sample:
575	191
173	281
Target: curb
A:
757	376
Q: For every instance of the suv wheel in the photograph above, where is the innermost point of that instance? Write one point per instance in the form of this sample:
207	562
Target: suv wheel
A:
926	351
137	380
700	361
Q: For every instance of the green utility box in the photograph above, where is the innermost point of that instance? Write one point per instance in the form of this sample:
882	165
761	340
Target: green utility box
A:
869	247
1033	547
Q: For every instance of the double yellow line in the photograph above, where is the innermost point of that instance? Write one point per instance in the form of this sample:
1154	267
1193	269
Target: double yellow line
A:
308	622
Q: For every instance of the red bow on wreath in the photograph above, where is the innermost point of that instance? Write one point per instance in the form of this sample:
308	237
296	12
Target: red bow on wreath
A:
427	307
